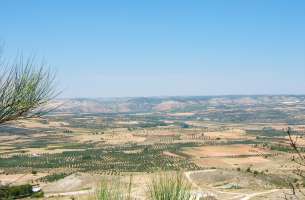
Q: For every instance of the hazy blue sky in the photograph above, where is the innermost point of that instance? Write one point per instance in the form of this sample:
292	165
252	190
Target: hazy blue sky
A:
162	47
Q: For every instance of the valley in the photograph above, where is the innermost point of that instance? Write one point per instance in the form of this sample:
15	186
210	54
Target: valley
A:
229	147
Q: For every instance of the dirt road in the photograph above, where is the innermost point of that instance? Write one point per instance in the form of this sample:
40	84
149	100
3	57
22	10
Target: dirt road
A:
74	193
235	195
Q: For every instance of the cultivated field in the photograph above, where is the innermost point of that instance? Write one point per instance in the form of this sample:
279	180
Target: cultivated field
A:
68	154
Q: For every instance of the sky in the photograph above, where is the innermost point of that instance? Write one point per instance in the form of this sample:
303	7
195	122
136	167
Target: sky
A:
161	47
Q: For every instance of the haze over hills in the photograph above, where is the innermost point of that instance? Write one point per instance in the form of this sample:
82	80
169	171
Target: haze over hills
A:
157	100
175	104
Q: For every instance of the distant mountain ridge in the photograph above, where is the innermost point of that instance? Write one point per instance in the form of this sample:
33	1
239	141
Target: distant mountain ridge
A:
171	104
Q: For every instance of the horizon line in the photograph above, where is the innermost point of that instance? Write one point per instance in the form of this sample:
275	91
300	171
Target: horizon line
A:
175	96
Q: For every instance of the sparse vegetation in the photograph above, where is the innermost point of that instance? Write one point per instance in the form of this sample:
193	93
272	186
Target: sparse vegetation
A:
169	187
296	184
110	191
113	190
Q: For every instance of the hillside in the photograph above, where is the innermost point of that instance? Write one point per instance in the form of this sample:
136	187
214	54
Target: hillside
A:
172	104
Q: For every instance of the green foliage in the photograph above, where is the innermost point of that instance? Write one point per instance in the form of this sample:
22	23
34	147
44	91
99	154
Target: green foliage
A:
166	187
113	160
284	148
114	190
25	88
109	192
15	192
38	194
151	124
54	177
267	133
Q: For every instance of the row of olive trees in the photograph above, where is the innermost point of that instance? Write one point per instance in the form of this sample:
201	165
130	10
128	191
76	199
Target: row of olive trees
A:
25	89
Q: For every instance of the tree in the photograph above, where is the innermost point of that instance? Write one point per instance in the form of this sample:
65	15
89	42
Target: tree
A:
298	158
25	89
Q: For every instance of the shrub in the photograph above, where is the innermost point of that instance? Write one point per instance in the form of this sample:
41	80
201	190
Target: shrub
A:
248	169
166	187
34	172
54	177
114	190
37	194
15	192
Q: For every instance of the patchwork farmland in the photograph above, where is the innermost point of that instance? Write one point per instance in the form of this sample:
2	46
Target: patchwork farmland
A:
218	156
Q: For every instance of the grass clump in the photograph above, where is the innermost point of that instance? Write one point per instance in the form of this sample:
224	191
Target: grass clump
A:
109	191
169	187
114	190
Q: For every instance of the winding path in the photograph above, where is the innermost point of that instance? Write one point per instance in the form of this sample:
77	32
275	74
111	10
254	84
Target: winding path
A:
238	196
